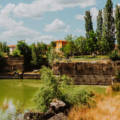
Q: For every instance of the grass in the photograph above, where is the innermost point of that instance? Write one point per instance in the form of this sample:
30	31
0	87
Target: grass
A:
94	88
106	109
22	91
85	58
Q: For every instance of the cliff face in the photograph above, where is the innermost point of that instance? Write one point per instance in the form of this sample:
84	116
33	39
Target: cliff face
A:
93	73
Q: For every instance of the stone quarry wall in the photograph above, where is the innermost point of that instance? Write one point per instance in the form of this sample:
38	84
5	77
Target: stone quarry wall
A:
88	73
14	63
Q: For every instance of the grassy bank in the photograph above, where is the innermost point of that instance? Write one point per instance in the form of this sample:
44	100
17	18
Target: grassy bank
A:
88	58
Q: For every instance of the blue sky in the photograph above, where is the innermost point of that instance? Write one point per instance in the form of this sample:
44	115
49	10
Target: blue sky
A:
45	20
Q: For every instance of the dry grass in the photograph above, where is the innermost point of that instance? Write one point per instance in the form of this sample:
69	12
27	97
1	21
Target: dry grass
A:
106	109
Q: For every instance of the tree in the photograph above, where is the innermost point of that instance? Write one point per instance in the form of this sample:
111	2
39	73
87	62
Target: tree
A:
91	43
34	55
80	46
88	23
99	28
108	27
69	38
38	53
25	50
117	24
4	48
69	49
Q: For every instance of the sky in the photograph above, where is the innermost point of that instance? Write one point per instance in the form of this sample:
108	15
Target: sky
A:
45	20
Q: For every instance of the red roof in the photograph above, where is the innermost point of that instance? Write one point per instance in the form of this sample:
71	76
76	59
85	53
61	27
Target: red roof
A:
12	46
60	41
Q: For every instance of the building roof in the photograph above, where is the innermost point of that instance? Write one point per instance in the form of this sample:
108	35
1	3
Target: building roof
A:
12	46
60	41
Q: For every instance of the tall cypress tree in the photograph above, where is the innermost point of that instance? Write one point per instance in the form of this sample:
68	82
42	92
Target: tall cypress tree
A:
99	26
88	23
117	24
108	27
90	35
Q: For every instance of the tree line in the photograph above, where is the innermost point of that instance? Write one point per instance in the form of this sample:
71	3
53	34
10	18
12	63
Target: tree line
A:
103	40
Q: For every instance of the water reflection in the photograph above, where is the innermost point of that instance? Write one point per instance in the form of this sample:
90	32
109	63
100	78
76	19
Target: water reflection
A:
9	111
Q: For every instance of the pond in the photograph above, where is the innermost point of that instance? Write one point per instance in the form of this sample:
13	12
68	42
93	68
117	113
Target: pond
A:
19	92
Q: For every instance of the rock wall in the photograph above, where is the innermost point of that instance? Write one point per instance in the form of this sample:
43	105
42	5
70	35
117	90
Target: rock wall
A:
14	63
88	73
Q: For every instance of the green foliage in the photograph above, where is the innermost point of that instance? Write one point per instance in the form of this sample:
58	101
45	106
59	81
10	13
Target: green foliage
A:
2	62
80	46
117	24
81	97
4	48
88	23
69	49
116	87
58	87
38	53
108	27
16	53
51	89
52	55
91	43
118	74
115	55
99	30
26	52
69	38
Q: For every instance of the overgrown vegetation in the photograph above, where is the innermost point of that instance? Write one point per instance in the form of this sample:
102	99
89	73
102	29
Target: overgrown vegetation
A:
106	108
115	55
116	87
57	87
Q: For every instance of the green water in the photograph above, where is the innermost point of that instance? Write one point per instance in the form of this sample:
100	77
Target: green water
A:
22	91
18	91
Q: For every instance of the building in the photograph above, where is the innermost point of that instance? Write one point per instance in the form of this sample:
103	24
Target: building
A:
60	44
12	48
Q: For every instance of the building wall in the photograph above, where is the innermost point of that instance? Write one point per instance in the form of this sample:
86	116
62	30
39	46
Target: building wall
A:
60	44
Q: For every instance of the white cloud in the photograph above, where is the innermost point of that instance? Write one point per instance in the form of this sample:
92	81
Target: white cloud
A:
38	7
79	17
57	26
94	13
15	30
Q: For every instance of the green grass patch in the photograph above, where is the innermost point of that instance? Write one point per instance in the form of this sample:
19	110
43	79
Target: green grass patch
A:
94	88
85	58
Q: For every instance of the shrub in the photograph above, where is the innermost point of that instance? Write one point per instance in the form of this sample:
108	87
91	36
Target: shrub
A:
16	53
118	76
116	87
81	97
51	88
115	55
58	87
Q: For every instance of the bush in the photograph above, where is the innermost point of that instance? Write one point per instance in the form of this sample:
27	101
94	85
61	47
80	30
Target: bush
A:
115	55
58	87
116	87
81	97
50	89
118	75
16	53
